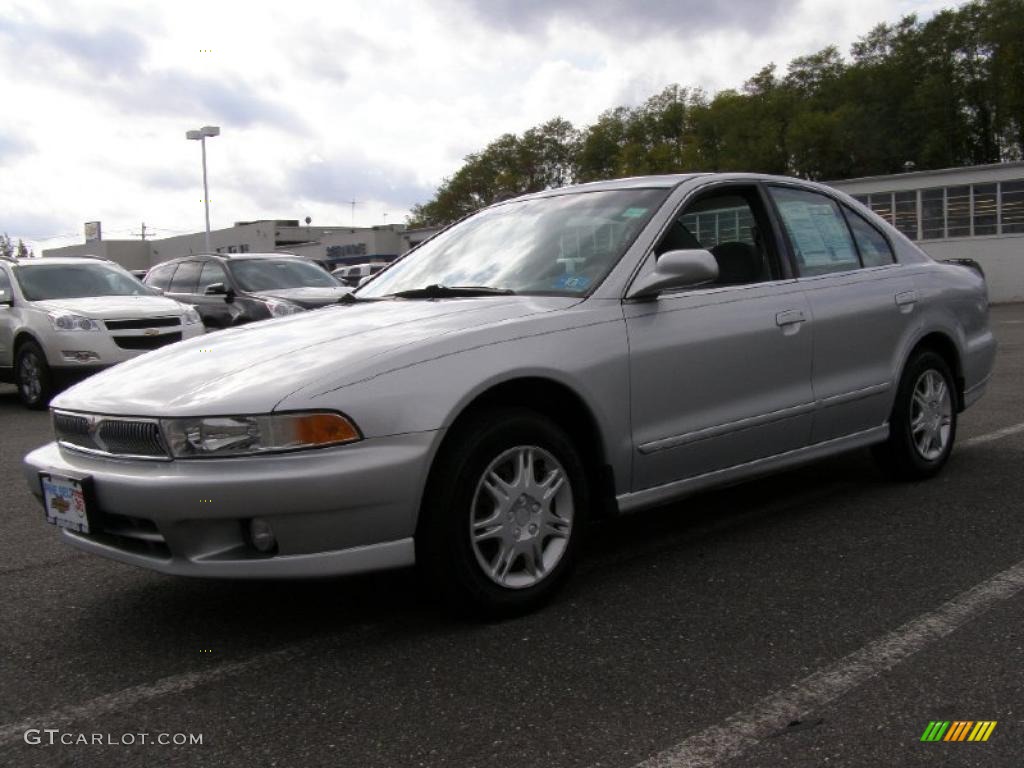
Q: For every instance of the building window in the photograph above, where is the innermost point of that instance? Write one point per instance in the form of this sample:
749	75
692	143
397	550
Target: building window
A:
984	207
906	213
881	203
1012	213
933	213
958	212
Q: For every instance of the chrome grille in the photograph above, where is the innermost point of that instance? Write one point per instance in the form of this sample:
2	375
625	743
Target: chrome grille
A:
110	435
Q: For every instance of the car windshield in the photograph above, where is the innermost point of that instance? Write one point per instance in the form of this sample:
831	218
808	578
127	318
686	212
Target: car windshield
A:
272	274
562	245
75	281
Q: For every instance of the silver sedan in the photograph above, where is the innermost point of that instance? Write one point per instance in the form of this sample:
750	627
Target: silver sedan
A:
576	353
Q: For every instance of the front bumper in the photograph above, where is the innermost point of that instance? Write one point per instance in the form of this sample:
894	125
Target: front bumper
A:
333	511
103	344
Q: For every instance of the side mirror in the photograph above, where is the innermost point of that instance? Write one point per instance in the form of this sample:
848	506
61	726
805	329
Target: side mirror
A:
216	289
677	269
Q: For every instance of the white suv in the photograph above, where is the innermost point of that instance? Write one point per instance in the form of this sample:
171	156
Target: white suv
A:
62	319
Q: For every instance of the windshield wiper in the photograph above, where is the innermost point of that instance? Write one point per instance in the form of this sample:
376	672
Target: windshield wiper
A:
451	291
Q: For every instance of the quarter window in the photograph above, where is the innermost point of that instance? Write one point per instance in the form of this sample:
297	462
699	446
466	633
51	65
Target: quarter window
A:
875	250
5	286
817	231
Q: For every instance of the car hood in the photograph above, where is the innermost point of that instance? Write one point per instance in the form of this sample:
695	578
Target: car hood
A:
307	297
250	369
114	307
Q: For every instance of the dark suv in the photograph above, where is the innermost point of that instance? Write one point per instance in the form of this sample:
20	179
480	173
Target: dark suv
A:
231	290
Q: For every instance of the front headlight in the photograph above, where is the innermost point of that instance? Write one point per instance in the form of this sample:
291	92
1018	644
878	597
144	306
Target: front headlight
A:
281	308
64	321
190	317
244	435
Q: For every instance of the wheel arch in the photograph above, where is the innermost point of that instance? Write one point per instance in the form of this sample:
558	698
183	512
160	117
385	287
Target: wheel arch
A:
556	401
943	345
20	338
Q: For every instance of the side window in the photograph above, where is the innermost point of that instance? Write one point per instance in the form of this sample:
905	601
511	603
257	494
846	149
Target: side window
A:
728	223
160	277
212	273
875	250
817	230
186	278
5	286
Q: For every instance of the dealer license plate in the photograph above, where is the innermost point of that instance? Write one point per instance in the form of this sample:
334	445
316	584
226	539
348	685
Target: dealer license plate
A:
64	500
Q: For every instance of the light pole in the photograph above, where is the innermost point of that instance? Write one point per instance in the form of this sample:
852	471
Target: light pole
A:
207	131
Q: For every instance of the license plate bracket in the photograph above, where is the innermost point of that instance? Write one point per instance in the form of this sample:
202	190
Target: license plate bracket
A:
68	502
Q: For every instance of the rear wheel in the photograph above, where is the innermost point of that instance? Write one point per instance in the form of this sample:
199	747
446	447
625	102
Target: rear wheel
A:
501	518
32	376
922	426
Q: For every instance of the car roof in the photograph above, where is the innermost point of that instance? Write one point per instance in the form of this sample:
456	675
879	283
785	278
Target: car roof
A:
664	181
88	259
231	257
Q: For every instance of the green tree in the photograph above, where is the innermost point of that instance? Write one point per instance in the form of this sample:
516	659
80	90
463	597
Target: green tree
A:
945	92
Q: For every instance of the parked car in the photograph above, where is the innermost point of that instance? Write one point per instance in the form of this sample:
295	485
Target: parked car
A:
580	352
354	274
230	290
64	318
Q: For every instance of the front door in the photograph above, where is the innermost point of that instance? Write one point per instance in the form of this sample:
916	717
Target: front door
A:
721	374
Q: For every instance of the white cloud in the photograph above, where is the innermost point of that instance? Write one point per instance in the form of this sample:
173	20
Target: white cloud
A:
321	103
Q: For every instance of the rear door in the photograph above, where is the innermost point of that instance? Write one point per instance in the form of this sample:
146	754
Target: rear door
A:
862	303
720	374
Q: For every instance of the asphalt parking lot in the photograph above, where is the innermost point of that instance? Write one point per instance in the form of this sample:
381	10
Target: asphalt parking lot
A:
820	617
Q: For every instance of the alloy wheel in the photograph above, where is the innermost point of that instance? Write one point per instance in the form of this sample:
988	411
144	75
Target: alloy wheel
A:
931	414
30	377
522	516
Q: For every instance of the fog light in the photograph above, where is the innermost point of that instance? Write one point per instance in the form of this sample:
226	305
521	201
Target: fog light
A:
262	535
79	355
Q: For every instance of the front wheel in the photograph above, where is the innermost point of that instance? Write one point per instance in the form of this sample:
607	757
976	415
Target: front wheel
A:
32	375
922	426
501	518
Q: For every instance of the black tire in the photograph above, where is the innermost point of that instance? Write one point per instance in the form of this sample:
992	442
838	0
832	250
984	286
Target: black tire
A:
32	376
444	546
901	456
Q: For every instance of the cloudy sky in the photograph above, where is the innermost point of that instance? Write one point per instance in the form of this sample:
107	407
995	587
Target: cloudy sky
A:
324	103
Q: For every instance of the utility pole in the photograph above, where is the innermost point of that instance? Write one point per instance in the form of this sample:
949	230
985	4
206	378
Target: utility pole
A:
354	203
142	234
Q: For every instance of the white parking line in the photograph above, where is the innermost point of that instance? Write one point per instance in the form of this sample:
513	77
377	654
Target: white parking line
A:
1013	429
710	747
719	743
62	717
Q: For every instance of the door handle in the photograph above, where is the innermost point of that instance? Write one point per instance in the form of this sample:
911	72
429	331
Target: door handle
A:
905	300
790	317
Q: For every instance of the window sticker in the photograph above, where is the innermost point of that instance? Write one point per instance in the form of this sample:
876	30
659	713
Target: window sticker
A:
817	233
634	213
571	282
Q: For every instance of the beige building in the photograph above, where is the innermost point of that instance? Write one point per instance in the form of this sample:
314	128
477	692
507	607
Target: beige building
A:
975	212
333	246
